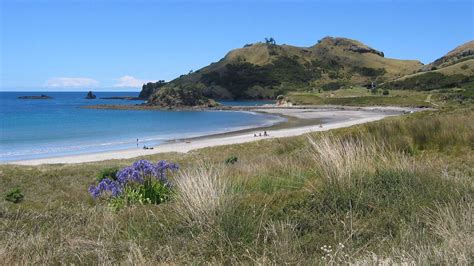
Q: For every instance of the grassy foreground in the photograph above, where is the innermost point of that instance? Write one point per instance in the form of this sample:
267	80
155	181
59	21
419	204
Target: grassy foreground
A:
395	191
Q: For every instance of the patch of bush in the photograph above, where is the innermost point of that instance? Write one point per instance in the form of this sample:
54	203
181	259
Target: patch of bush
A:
385	92
238	78
15	195
332	86
231	160
110	173
369	72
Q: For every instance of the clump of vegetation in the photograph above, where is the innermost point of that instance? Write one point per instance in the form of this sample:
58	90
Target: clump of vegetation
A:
369	72
110	173
385	92
142	182
15	195
231	160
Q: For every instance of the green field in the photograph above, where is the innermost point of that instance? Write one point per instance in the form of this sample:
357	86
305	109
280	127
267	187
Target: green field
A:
397	190
358	96
358	99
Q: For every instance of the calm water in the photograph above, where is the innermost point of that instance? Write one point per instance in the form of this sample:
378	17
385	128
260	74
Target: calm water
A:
46	128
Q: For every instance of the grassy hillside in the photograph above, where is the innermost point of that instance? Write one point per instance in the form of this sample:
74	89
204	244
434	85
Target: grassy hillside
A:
359	96
398	190
453	70
265	70
461	53
458	75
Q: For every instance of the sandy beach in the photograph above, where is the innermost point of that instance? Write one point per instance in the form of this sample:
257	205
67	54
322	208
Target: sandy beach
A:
328	117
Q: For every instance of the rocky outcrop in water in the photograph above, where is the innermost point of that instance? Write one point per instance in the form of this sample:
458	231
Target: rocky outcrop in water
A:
90	95
41	97
131	98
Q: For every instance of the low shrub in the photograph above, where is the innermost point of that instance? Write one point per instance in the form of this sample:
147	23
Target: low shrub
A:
110	173
15	195
231	160
143	182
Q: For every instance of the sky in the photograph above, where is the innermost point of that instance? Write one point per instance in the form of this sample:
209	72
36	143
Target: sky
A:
118	45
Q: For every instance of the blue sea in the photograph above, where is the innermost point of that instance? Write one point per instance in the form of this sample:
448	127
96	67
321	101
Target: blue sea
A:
31	129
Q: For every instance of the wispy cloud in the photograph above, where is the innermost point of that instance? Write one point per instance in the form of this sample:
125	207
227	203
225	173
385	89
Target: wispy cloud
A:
71	82
129	81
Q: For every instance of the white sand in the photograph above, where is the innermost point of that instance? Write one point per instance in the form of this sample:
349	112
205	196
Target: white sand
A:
331	118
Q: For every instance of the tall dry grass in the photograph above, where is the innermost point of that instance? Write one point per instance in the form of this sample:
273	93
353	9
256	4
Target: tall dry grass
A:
201	193
341	160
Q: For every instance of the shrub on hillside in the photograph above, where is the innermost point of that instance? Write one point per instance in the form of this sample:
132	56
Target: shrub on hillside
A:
110	173
15	195
231	160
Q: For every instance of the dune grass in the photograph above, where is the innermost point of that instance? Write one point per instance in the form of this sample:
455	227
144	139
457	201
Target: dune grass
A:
394	191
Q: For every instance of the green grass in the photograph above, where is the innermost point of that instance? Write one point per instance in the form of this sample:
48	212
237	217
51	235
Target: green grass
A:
395	191
359	97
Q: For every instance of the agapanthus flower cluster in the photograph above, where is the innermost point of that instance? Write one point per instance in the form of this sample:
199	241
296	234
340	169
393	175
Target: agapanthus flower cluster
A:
138	173
106	185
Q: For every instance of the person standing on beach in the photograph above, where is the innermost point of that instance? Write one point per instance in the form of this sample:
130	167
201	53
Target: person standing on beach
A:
137	143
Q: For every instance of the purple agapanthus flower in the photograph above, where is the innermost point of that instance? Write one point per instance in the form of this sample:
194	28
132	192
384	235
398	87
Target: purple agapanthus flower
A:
106	185
129	174
138	172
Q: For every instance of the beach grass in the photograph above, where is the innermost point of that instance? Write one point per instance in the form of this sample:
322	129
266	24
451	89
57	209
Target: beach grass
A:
397	190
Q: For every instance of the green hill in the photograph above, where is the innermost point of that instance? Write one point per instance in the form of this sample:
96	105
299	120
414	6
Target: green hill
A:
265	70
459	54
453	70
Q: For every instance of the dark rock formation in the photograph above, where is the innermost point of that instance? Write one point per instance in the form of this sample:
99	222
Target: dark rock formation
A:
90	95
41	97
361	50
121	98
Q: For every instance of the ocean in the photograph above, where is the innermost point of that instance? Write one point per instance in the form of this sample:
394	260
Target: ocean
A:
31	129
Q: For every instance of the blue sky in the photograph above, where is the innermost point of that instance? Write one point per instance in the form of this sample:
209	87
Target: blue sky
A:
118	45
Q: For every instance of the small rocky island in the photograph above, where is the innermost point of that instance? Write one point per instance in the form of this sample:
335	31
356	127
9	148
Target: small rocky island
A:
35	97
90	95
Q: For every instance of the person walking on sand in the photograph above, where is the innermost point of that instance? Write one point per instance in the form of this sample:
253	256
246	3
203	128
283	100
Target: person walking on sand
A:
265	134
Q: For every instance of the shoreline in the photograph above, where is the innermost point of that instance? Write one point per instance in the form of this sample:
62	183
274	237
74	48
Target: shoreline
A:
300	120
